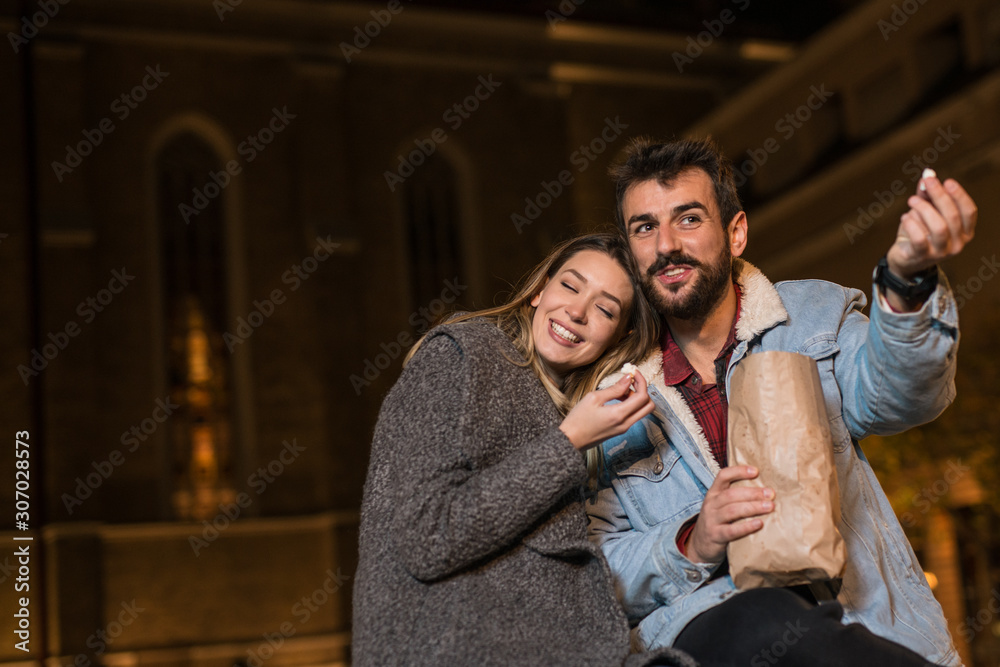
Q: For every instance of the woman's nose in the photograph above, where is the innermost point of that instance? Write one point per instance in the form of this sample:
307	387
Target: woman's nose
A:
577	310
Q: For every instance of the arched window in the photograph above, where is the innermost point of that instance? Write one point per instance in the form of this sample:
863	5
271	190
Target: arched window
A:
195	287
434	244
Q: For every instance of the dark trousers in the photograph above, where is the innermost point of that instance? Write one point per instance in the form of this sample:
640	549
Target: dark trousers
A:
774	626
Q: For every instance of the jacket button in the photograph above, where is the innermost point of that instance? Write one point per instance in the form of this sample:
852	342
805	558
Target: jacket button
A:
658	468
693	575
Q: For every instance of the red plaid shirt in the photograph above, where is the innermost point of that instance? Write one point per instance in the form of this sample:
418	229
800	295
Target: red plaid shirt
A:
708	402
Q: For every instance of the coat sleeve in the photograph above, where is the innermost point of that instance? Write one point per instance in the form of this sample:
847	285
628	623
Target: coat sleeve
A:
898	370
649	570
448	515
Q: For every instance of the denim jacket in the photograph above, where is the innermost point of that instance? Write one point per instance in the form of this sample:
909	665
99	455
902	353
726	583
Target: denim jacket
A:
879	377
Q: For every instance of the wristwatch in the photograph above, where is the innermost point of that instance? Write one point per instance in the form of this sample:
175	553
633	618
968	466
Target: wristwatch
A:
917	289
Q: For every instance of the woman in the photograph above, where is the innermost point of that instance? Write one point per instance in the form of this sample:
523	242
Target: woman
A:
473	543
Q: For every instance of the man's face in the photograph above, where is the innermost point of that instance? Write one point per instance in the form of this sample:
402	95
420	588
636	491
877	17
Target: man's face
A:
684	253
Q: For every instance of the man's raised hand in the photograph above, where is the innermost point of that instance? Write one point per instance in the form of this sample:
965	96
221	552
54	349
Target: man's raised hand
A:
940	222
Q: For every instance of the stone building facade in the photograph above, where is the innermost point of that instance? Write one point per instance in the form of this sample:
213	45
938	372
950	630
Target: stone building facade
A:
226	222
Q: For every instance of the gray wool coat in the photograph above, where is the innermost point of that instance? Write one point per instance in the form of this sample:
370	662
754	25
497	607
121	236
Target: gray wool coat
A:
473	545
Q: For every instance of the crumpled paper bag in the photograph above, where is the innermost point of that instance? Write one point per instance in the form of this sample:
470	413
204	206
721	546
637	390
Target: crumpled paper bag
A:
778	424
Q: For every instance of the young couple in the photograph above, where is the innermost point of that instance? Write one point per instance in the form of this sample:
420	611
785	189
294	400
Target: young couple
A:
474	531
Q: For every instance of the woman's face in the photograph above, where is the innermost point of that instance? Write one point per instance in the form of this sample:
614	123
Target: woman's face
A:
580	312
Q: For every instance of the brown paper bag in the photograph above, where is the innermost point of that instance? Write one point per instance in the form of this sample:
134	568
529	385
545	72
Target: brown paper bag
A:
778	424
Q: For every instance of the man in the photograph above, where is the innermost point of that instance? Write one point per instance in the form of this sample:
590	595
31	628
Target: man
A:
667	509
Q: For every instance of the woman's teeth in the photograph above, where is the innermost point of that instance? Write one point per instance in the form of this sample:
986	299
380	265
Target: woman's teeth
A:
563	332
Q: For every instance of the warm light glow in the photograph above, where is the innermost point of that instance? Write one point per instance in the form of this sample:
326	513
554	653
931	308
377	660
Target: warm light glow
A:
203	455
932	579
198	350
575	31
753	49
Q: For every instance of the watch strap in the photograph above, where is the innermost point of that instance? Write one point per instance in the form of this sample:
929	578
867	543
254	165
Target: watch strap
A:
919	288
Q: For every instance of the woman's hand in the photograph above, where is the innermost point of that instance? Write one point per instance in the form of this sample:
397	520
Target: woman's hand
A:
591	422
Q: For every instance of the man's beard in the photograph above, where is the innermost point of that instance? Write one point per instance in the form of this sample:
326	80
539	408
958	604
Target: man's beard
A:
705	292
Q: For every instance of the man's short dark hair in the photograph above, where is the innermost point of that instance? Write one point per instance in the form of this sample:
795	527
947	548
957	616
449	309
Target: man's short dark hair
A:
646	160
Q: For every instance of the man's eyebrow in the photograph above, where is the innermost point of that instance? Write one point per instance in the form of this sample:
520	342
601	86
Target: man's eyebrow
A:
642	217
677	210
687	206
605	293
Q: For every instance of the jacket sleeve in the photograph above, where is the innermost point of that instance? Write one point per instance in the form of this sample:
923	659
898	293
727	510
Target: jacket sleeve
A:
649	570
898	370
448	515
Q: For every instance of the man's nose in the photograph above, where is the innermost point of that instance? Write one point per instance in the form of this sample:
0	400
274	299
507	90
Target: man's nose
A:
666	240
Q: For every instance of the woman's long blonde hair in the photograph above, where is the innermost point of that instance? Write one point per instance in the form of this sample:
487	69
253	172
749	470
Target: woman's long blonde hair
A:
639	328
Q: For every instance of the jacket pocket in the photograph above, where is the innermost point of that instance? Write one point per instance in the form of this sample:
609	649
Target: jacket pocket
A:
654	467
658	487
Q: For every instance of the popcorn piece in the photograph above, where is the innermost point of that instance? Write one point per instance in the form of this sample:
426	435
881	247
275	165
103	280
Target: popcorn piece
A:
927	173
630	370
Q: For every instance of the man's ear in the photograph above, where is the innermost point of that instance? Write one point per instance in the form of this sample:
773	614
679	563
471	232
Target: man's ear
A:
738	234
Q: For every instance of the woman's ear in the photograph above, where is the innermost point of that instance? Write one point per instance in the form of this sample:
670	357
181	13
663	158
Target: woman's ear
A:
535	300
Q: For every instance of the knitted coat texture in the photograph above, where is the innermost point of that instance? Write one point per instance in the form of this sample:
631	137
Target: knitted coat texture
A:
473	545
